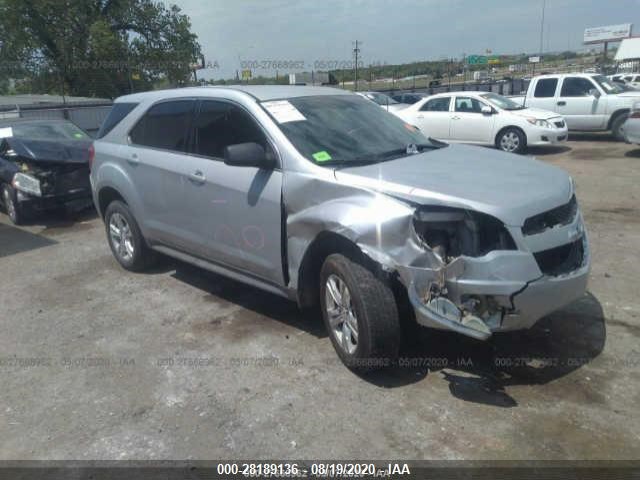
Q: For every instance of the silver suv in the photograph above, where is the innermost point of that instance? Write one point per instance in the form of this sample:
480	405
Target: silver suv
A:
320	196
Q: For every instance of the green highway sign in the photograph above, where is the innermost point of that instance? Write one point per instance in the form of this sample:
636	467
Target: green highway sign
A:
477	60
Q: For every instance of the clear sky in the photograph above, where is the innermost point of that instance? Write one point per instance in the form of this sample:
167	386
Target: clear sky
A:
233	32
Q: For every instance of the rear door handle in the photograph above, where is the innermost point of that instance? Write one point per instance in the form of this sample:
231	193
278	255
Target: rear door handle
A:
562	104
133	159
455	117
197	177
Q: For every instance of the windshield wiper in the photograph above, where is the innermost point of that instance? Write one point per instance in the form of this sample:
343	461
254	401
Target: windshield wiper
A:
410	149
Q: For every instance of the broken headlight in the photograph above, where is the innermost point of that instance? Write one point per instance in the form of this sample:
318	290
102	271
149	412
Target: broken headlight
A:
27	184
452	232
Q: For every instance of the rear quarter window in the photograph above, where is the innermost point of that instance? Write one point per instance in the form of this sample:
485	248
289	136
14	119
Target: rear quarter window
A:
116	115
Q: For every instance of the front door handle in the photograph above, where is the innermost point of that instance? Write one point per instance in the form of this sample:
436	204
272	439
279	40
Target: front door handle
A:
197	177
562	103
420	116
455	117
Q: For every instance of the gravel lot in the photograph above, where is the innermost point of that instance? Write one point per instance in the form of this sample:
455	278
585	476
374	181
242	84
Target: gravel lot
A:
178	363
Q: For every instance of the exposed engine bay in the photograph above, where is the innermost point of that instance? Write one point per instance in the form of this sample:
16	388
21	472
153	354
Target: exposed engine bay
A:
453	232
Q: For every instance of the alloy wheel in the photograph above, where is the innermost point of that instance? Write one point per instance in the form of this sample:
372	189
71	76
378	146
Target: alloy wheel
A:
510	142
121	237
8	203
341	314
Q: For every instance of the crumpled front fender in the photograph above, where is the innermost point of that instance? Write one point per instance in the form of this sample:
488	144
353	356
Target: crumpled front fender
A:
378	224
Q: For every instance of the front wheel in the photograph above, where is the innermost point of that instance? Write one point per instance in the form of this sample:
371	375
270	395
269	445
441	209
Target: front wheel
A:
125	239
360	313
511	140
12	207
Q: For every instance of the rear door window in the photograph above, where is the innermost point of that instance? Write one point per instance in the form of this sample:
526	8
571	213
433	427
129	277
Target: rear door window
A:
165	125
437	105
545	88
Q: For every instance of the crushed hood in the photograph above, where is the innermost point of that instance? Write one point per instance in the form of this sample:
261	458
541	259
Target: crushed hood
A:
61	151
509	187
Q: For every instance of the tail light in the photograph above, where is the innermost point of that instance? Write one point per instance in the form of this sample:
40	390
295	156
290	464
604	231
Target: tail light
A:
92	155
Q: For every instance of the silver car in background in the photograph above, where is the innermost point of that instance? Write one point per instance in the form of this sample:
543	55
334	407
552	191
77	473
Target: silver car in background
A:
384	100
321	197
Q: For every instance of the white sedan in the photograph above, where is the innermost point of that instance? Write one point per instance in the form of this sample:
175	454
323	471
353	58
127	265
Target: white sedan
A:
485	118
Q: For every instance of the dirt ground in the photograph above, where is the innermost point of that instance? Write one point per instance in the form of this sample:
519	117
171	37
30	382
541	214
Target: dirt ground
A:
178	363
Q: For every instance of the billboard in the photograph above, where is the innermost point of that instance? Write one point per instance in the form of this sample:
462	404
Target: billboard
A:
608	33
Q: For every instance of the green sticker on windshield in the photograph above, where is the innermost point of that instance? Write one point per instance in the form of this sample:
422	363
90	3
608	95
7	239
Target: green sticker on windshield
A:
78	135
322	156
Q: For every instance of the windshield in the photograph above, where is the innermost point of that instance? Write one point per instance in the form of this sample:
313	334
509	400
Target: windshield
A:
344	129
380	98
607	85
501	102
49	131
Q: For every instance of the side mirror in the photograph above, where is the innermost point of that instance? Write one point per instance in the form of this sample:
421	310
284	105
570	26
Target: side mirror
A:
247	155
594	92
487	110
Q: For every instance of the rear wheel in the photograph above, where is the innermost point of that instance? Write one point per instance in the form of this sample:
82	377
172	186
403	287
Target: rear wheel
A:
12	207
360	313
125	239
511	140
616	126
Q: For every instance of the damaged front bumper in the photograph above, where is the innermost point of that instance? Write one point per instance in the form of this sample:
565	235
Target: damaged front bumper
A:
77	199
503	290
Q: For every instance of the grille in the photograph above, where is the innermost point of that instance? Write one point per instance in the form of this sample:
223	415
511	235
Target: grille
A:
561	260
559	124
62	180
562	215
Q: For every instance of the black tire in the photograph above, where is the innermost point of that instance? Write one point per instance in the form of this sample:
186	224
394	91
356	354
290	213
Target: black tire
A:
376	312
12	207
616	126
511	140
140	256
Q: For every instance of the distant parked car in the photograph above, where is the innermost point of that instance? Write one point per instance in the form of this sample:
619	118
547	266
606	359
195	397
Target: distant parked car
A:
485	118
385	101
631	80
631	127
408	98
44	164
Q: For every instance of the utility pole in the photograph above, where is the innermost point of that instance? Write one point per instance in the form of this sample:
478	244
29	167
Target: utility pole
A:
544	2
356	52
